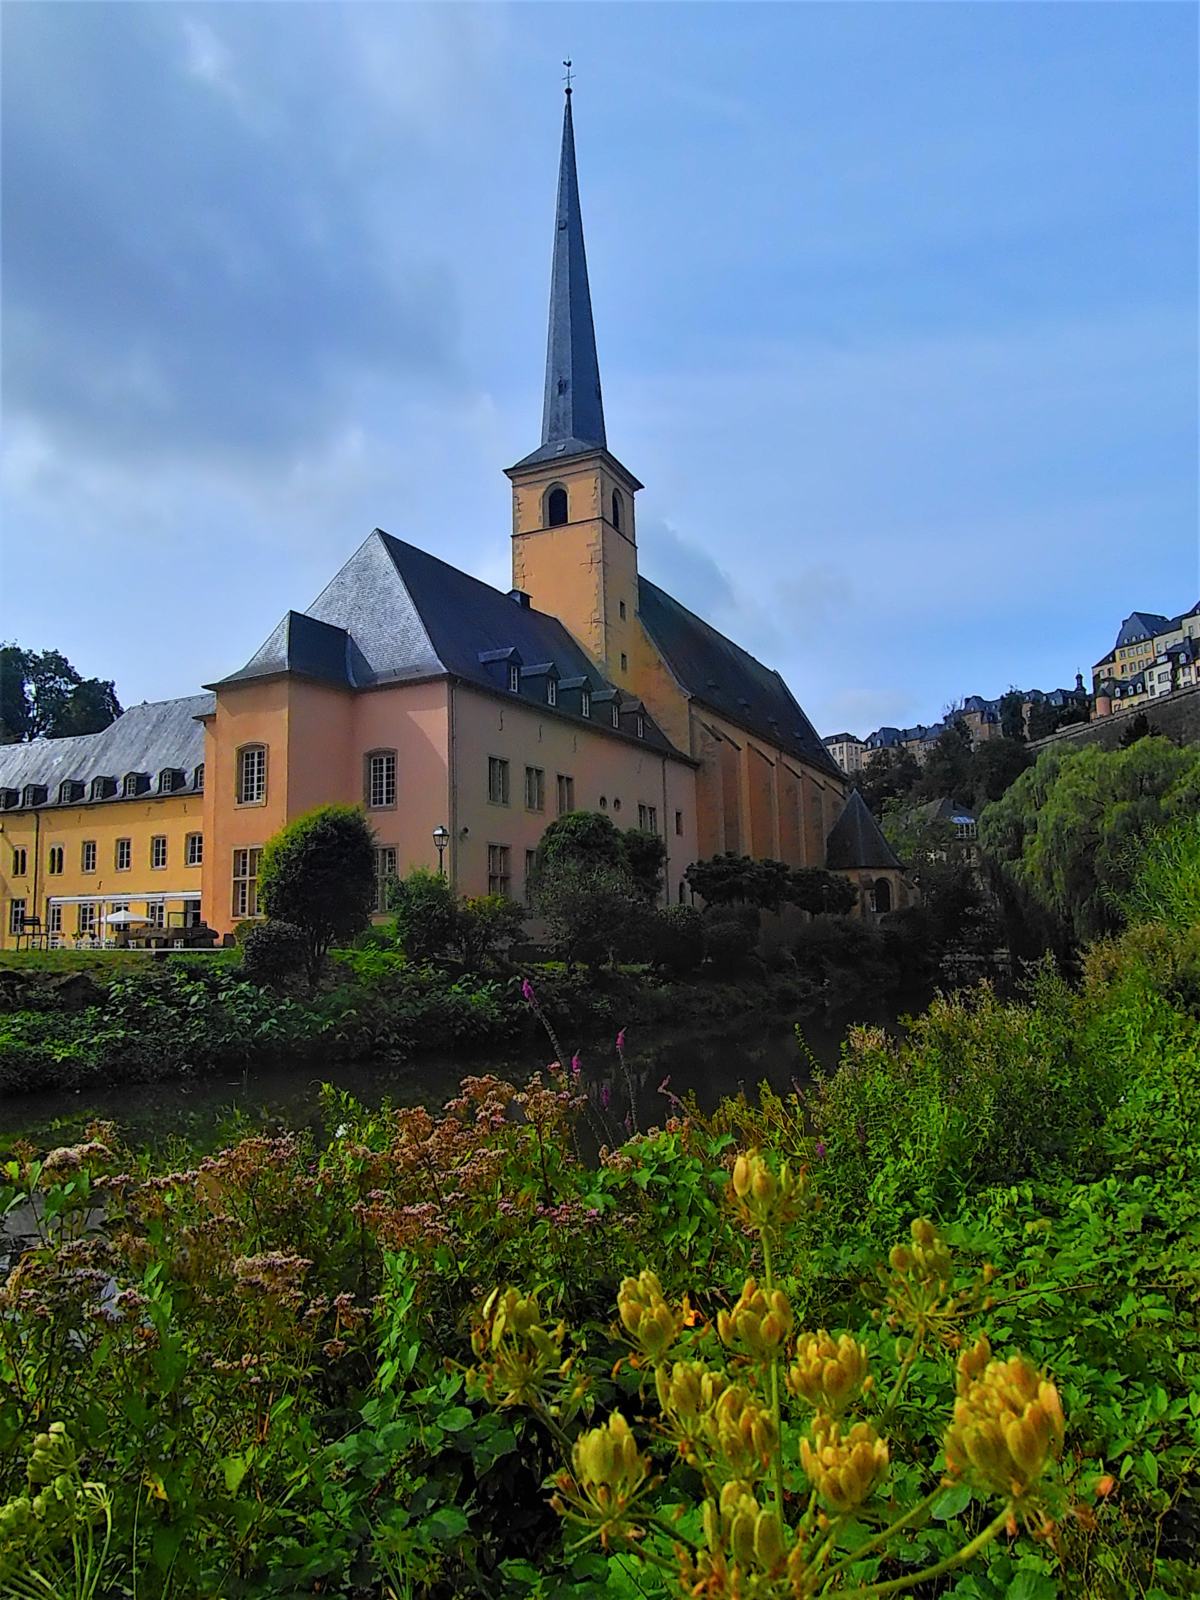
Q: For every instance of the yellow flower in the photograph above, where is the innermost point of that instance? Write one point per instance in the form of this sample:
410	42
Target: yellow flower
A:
828	1373
843	1467
767	1198
646	1317
1008	1423
760	1322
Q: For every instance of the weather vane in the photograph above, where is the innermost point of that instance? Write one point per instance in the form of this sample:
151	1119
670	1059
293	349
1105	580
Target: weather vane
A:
567	64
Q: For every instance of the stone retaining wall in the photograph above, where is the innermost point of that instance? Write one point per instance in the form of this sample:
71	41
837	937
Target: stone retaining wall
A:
1176	717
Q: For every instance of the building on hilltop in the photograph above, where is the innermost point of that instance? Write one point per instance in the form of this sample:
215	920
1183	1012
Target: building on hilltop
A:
1153	656
847	750
438	702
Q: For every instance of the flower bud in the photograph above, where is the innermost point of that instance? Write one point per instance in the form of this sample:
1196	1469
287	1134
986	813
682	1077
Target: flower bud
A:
828	1374
768	1540
645	1315
1008	1423
844	1468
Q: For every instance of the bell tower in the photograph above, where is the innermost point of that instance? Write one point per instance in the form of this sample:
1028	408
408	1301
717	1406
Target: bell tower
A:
574	522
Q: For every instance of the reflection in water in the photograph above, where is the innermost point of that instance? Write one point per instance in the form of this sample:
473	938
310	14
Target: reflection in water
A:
206	1112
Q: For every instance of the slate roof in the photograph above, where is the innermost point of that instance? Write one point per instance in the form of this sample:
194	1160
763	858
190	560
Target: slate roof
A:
148	738
721	675
841	738
573	408
396	614
944	810
1141	625
855	840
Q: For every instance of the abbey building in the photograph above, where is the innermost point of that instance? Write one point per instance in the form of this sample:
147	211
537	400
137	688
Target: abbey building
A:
438	702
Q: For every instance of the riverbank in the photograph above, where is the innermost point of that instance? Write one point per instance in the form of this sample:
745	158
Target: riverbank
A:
263	1355
74	1025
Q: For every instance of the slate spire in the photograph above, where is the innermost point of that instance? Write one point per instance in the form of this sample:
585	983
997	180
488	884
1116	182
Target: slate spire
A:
573	413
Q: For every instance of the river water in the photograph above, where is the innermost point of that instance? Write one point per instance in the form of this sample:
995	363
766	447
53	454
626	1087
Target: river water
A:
206	1112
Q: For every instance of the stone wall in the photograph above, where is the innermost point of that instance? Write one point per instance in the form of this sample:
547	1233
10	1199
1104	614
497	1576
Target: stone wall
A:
1177	717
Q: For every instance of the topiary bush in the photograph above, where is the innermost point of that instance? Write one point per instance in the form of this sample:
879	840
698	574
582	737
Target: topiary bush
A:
273	951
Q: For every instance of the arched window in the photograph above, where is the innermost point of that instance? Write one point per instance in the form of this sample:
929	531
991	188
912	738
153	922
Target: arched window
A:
252	774
556	506
883	895
198	777
616	511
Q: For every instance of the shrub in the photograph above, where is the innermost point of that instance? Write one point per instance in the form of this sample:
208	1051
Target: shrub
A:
589	909
273	951
645	855
727	944
319	873
427	914
582	838
677	939
487	926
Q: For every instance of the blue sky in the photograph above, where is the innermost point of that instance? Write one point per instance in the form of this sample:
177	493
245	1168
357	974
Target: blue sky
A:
896	308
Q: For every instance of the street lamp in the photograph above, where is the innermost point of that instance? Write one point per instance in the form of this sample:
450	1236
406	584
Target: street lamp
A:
441	838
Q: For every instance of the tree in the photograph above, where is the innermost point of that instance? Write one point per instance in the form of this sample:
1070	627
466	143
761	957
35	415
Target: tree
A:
427	914
733	880
941	865
1139	728
584	837
487	925
1065	835
819	892
42	696
995	765
1012	715
948	764
890	774
1045	719
645	856
590	909
319	873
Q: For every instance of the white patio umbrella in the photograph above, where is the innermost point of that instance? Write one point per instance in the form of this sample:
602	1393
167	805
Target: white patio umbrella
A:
124	919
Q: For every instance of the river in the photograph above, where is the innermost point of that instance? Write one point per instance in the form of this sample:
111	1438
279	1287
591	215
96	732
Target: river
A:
205	1112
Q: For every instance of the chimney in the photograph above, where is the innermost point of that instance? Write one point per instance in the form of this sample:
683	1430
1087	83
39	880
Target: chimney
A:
521	598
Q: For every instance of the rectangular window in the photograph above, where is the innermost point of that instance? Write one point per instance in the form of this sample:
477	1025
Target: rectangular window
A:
497	781
385	874
245	882
85	921
54	925
551	692
499	880
156	913
252	775
55	863
679	822
535	789
381	779
16	915
124	857
193	850
624	662
622	608
648	818
530	862
585	703
88	856
566	794
20	862
158	851
514	680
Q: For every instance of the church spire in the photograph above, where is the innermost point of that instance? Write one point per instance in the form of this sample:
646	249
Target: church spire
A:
573	413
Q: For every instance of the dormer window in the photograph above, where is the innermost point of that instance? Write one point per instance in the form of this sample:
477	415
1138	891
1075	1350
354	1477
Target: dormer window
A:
585	703
103	788
514	680
34	795
641	726
135	783
170	779
556	506
551	692
616	511
198	778
616	715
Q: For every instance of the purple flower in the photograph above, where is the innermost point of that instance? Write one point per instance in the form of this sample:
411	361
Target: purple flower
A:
527	992
605	1095
576	1065
819	1151
621	1040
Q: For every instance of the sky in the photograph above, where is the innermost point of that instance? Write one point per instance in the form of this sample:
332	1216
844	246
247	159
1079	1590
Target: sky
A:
896	308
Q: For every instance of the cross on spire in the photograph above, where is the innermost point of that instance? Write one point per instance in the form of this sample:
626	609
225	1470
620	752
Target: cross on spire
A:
567	64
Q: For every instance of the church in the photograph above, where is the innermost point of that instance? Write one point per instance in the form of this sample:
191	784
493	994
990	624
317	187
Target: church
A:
461	717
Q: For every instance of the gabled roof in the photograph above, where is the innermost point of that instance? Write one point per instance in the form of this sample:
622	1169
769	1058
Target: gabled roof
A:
727	679
396	614
943	810
855	840
1141	625
841	738
147	738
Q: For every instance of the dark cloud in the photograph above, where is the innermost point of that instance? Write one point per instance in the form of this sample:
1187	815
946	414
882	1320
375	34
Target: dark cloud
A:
189	264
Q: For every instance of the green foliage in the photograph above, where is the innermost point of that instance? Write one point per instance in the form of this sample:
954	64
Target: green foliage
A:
1045	719
947	767
677	943
427	914
731	879
996	764
42	696
820	892
319	873
1139	728
487	925
592	911
1012	715
273	951
1165	876
1065	836
582	838
941	864
891	774
727	945
645	857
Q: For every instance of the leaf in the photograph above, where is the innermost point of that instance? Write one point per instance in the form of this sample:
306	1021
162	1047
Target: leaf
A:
956	1499
446	1523
1029	1585
235	1469
456	1419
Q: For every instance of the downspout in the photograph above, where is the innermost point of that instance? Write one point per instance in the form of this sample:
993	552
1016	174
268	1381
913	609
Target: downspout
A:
666	834
452	786
37	864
